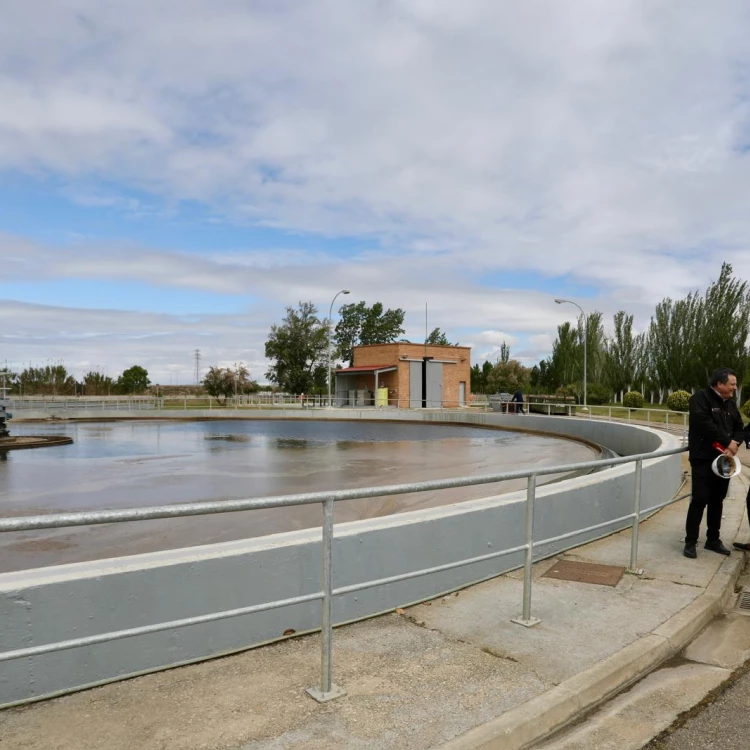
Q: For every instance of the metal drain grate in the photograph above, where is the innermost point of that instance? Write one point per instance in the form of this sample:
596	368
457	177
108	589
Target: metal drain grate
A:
743	603
585	572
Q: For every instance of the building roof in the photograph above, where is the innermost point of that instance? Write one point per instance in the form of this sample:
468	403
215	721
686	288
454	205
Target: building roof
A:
368	368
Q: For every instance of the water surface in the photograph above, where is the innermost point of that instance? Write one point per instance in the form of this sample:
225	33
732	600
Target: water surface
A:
137	464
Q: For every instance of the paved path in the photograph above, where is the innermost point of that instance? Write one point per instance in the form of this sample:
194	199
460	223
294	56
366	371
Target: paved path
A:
455	673
722	722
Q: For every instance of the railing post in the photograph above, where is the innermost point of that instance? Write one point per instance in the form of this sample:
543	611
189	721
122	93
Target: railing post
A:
328	691
526	619
666	417
633	569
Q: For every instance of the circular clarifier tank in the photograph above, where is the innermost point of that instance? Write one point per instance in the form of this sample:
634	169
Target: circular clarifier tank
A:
146	463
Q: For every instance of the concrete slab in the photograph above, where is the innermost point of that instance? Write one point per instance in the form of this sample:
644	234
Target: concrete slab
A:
577	619
725	643
406	686
633	718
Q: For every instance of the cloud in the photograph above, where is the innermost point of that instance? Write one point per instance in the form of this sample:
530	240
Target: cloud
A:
605	144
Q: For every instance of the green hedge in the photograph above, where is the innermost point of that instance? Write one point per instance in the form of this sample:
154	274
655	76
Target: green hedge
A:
679	401
633	400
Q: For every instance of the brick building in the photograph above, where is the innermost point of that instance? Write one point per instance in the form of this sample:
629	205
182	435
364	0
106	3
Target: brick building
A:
406	375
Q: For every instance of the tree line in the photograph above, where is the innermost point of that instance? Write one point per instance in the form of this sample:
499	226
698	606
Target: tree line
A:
55	380
685	341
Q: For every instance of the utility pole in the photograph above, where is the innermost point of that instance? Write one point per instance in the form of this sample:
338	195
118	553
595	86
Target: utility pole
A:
197	356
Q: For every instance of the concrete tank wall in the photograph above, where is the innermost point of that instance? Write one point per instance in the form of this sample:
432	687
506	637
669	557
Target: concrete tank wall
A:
52	604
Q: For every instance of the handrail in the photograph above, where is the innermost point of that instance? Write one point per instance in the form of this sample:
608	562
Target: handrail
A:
328	690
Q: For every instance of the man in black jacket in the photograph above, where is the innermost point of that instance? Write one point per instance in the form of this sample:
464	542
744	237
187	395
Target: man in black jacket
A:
714	420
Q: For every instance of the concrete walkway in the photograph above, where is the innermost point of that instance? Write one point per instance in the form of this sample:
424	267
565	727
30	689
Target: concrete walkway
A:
454	673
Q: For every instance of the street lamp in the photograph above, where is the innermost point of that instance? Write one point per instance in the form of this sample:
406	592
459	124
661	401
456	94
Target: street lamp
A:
583	314
330	315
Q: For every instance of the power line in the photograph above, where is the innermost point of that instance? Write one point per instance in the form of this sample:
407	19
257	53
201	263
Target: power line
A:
197	356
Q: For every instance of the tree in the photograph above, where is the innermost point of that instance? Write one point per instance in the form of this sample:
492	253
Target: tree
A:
541	376
595	346
504	353
298	348
723	331
565	364
508	377
479	377
133	380
8	378
223	382
439	338
52	380
98	384
673	342
360	325
622	352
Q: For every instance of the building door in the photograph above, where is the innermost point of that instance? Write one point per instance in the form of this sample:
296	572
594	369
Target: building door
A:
415	385
434	395
462	393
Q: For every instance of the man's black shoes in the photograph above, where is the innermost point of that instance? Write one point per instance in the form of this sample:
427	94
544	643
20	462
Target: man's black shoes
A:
690	551
742	545
717	546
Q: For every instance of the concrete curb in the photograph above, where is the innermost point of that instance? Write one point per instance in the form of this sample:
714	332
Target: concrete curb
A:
551	711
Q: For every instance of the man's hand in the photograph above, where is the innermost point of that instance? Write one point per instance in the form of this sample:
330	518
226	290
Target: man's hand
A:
731	451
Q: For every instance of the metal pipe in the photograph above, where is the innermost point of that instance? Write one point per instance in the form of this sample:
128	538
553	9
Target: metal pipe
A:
577	532
91	640
424	571
530	496
636	516
526	619
328	691
327	603
330	316
585	326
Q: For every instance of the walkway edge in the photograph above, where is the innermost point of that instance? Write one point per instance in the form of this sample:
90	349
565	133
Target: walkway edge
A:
551	711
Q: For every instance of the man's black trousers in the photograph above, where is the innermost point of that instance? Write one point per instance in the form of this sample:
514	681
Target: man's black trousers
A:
709	492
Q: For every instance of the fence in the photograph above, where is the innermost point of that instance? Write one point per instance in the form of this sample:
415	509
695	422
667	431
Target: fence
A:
328	690
656	417
649	417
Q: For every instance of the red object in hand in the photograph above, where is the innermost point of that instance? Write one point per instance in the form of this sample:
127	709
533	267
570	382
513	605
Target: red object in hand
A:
719	447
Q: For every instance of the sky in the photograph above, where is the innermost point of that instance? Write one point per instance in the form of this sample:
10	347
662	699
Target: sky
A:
173	175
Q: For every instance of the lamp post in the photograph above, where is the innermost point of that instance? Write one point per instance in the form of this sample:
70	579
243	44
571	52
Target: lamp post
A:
570	302
330	315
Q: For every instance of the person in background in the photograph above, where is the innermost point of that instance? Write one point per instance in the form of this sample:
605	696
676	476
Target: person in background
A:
743	545
714	420
517	401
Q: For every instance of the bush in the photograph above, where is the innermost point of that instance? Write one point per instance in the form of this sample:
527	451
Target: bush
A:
598	393
679	401
746	409
633	400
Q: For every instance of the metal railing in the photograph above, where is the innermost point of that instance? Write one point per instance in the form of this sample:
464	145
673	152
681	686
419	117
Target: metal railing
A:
328	690
649	416
610	412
